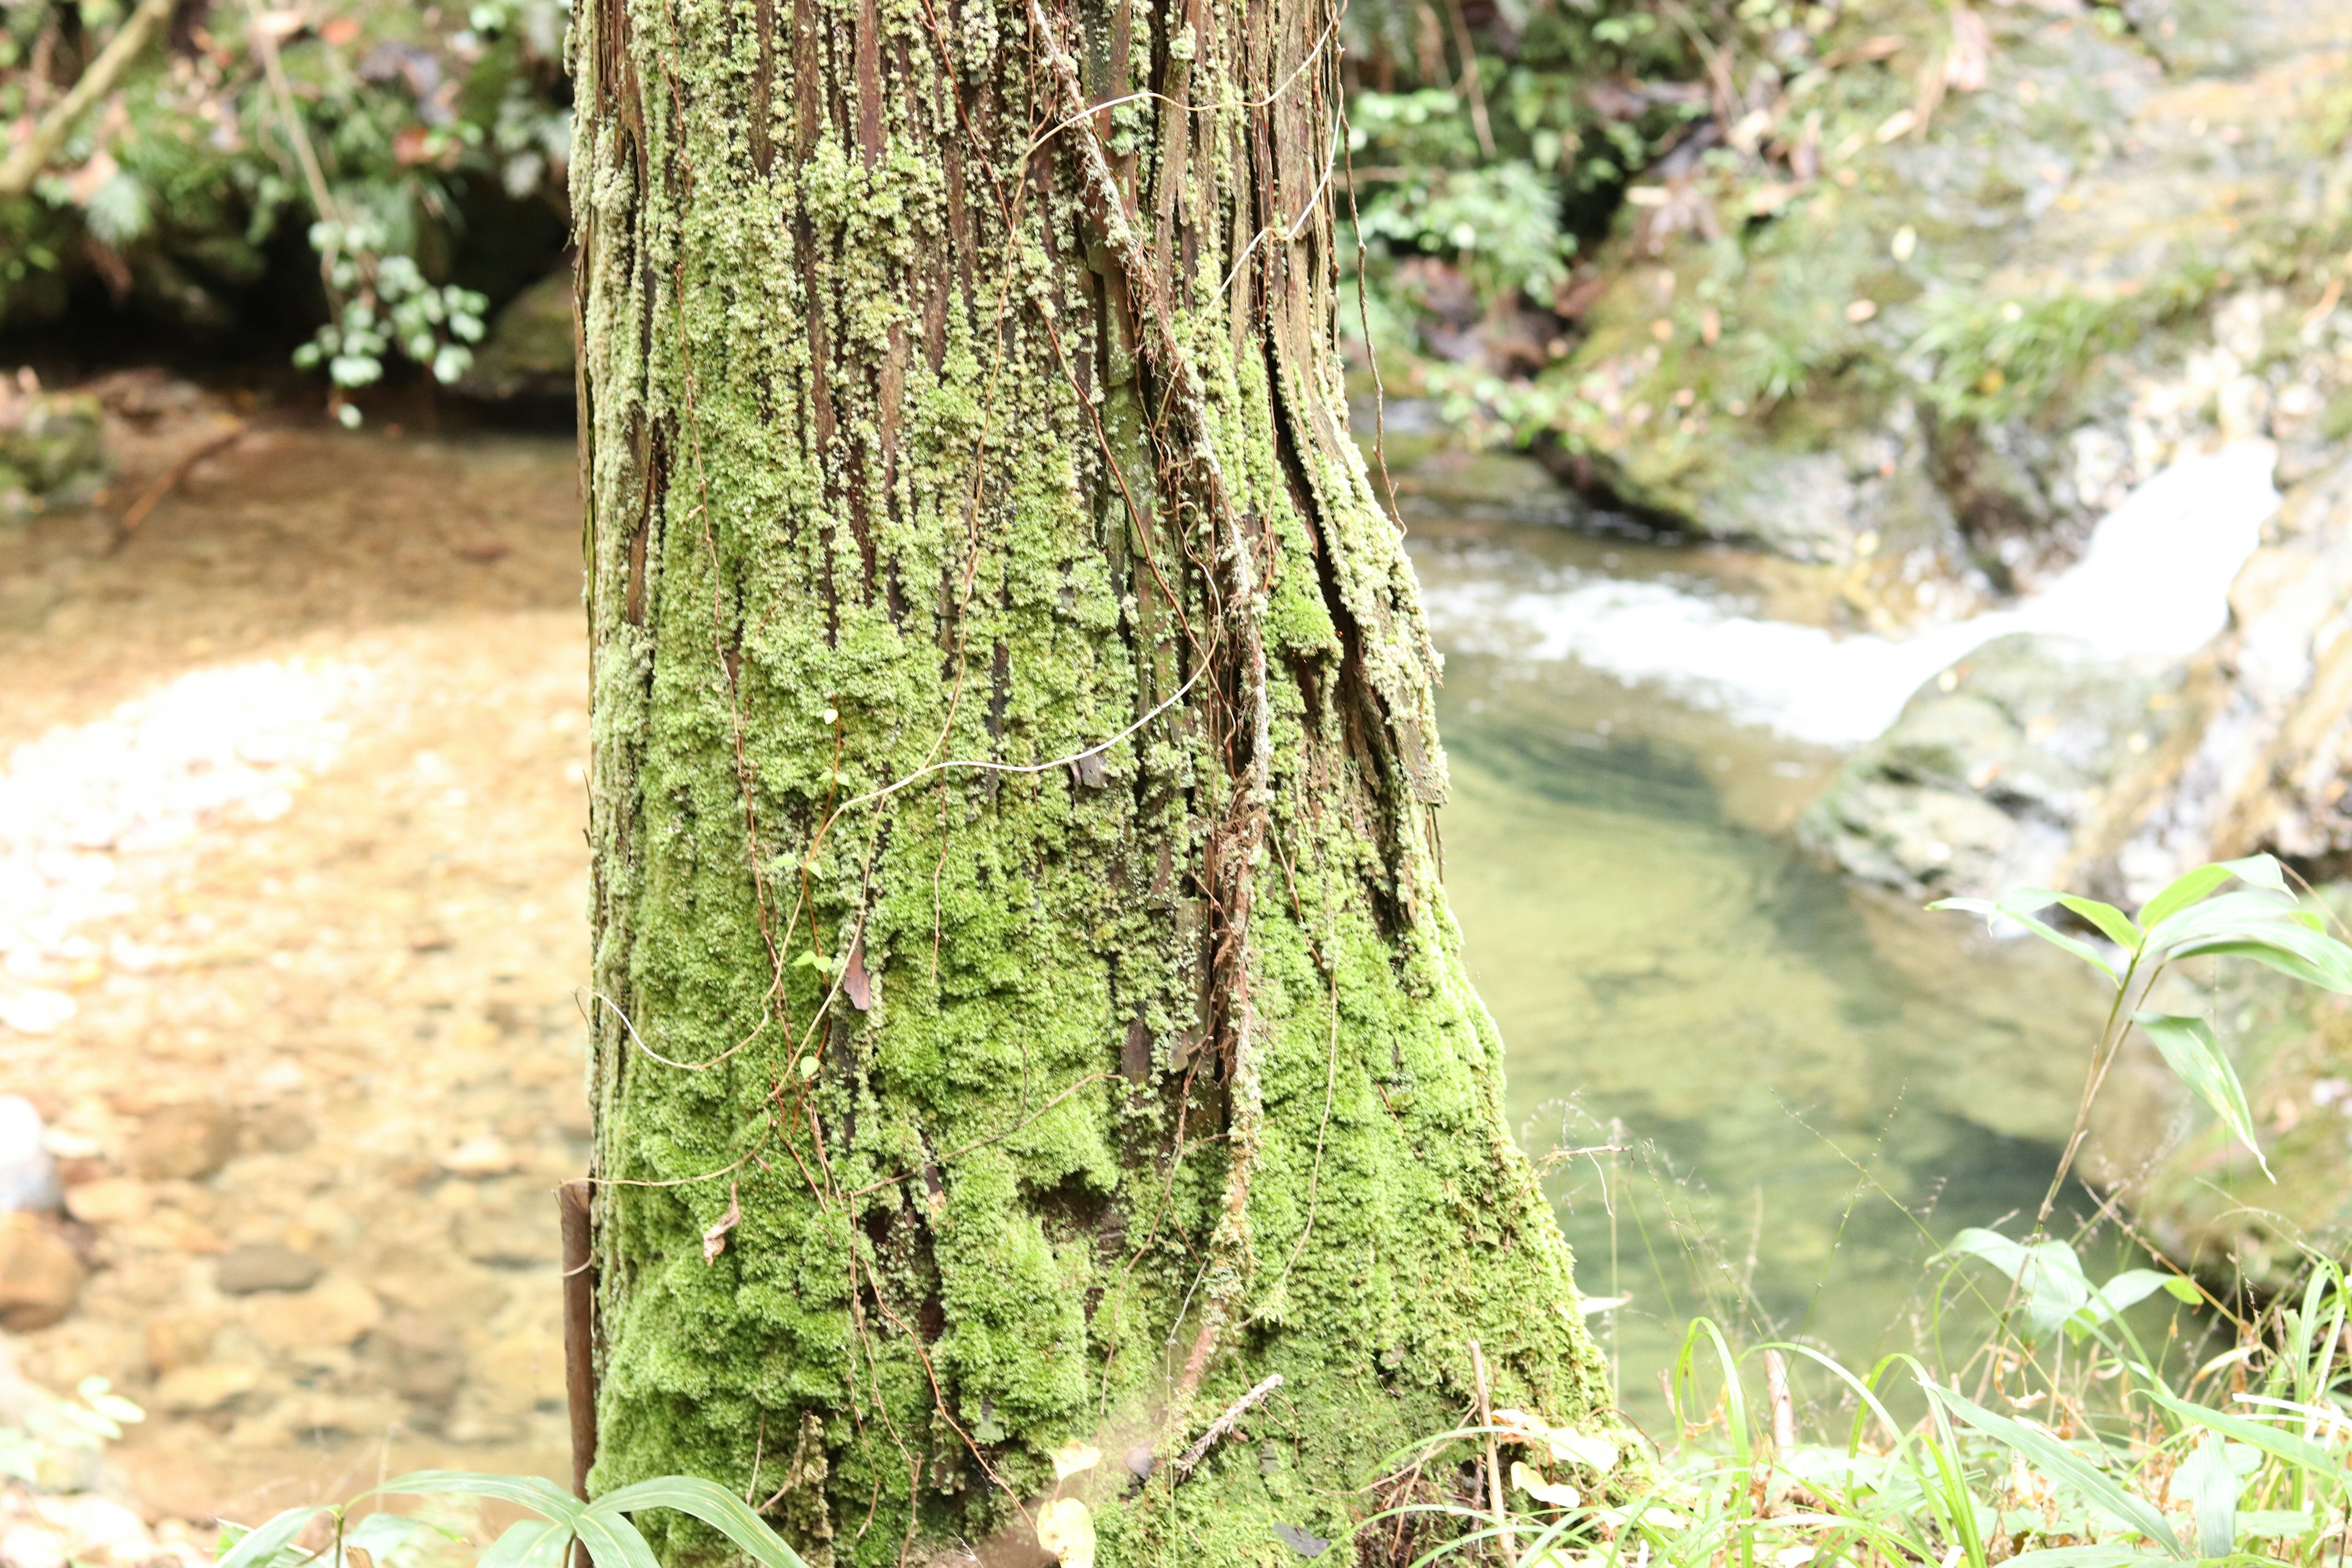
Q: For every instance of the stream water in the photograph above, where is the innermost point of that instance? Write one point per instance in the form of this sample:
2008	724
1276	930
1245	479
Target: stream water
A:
1784	1092
1789	1091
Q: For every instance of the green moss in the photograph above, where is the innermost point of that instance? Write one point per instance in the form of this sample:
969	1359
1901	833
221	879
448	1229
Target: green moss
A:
871	487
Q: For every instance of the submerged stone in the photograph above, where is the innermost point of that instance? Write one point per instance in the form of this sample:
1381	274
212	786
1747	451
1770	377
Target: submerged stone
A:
53	448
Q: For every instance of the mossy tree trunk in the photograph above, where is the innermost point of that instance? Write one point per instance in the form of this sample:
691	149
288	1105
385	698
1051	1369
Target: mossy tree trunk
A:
966	1085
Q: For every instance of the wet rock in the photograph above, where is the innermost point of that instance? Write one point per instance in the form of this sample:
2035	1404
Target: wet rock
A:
282	1130
2004	771
177	1340
29	1173
513	1225
420	1358
98	1529
513	1378
41	1274
110	1200
480	1157
187	1141
529	350
29	1544
246	1270
216	1385
2007	302
2033	763
2274	743
52	447
332	1313
1483	486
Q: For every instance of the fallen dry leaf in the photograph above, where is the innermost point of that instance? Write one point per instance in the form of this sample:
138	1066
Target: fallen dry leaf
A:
714	1240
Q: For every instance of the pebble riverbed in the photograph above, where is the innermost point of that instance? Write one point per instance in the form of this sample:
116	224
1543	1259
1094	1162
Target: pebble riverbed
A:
293	893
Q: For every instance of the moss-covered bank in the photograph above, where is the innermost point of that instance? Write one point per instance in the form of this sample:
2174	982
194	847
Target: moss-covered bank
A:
1067	1091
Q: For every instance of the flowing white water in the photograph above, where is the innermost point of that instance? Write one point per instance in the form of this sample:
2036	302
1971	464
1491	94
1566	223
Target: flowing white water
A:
2154	582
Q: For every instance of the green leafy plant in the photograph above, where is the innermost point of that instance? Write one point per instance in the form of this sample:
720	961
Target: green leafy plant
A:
2064	1435
49	1441
374	131
601	1527
2258	917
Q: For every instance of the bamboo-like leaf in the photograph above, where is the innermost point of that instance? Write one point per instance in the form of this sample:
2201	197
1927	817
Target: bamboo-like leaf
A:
536	1493
2213	1489
2019	906
527	1543
2300	1452
2057	1289
2184	890
2195	1056
261	1548
2260	870
2058	1461
612	1541
2267	926
2116	925
389	1538
2130	1288
709	1502
2318	961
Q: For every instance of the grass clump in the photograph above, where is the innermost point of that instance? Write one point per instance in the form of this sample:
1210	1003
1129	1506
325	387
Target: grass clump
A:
2061	1412
2067	1433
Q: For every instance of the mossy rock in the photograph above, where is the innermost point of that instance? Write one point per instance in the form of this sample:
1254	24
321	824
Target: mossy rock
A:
1993	780
529	352
1898	352
53	451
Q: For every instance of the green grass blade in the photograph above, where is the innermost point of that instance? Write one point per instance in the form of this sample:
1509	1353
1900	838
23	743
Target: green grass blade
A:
2062	1463
261	1547
2213	1489
711	1503
2300	1452
2110	1554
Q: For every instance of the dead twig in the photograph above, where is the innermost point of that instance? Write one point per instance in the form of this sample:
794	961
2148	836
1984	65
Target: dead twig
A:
32	155
166	482
1222	1424
1494	1458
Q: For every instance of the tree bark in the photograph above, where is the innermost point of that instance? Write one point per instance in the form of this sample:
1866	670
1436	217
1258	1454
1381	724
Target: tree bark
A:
1027	1009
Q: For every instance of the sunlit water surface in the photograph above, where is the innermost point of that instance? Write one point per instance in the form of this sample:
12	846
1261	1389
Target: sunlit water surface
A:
1788	1090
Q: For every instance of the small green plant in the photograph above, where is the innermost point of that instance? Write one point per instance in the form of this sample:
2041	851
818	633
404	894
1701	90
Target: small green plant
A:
601	1527
2258	918
55	1443
2065	1436
1999	359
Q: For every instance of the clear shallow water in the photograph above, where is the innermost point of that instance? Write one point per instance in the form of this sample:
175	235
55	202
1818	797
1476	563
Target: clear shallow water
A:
1789	1063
